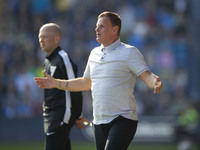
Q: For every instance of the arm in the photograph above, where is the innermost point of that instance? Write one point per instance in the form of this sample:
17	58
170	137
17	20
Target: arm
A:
78	84
152	81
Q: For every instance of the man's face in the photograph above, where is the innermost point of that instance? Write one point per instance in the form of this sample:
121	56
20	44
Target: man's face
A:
47	40
105	34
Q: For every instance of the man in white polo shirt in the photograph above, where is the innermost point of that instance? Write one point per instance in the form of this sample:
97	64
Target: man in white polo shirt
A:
110	73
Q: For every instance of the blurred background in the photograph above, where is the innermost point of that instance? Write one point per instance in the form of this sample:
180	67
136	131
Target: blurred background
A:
165	31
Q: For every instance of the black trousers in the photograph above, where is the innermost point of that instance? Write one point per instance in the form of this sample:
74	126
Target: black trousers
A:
58	139
115	135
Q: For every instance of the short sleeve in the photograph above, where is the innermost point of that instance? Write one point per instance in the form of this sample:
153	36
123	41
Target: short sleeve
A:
87	70
136	62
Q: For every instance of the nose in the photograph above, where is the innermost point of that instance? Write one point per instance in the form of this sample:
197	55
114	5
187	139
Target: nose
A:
96	29
40	39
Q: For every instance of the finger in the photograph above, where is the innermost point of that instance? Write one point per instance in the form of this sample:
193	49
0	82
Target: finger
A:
40	80
37	78
155	76
40	85
45	74
80	126
158	78
157	90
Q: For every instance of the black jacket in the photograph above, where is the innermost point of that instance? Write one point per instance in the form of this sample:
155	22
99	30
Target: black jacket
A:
59	104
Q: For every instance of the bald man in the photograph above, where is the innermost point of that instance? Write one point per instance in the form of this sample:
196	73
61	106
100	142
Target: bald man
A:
61	108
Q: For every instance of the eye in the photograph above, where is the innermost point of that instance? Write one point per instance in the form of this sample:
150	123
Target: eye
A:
99	27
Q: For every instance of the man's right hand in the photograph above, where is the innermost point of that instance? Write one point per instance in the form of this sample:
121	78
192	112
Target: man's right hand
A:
46	82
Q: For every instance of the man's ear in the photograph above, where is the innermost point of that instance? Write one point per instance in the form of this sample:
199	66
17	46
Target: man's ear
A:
116	29
57	39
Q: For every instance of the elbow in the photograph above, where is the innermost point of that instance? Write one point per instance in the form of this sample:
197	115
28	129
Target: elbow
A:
88	86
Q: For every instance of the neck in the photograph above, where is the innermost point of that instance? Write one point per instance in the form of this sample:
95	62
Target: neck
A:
107	44
51	51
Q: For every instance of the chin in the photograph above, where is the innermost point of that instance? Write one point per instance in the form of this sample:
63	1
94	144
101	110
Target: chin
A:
98	40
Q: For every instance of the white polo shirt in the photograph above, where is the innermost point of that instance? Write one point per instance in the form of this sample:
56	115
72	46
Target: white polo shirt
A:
113	73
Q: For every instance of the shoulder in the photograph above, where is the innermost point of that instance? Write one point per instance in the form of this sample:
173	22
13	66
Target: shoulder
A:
94	52
63	53
129	48
66	59
59	58
96	49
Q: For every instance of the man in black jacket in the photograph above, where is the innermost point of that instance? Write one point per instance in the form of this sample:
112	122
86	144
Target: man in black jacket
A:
61	108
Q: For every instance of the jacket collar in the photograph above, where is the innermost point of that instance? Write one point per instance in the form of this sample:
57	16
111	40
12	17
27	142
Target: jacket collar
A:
54	53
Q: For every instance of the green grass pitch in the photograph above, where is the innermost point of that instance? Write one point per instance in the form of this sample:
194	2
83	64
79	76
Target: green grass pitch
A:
90	146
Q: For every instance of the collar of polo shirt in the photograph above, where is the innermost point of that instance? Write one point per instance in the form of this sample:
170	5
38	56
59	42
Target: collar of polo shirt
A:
111	46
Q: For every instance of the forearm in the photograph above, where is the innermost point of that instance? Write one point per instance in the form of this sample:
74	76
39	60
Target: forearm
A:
78	84
149	79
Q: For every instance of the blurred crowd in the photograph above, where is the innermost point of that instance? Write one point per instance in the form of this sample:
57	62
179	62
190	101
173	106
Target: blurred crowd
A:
158	28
